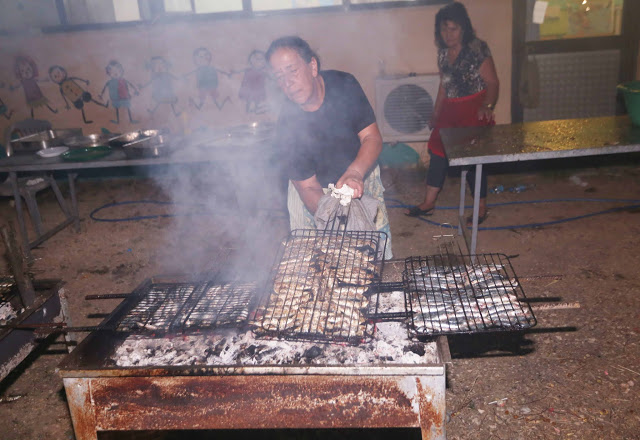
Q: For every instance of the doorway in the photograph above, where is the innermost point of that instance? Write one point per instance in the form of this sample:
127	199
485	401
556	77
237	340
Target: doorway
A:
569	55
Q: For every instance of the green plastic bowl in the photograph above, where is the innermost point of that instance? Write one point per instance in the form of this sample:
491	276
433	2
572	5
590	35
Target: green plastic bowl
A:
631	93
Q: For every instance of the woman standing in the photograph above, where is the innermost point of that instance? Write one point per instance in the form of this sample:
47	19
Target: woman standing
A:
466	98
328	132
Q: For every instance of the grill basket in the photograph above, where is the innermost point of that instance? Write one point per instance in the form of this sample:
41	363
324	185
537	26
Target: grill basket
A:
449	294
322	287
188	307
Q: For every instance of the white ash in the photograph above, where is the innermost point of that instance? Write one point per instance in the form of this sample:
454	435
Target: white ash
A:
390	345
7	312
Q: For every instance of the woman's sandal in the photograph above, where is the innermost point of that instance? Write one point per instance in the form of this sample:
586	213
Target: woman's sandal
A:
481	219
417	212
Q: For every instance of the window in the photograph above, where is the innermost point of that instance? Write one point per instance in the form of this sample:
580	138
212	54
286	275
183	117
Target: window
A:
565	19
211	6
63	15
20	15
96	11
275	5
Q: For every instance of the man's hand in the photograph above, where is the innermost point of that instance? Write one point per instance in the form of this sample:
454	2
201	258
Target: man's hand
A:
354	180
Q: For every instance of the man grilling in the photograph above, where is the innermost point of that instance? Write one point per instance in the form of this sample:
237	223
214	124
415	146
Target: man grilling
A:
328	130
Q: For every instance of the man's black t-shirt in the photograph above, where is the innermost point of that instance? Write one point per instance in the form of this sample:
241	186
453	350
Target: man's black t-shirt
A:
325	142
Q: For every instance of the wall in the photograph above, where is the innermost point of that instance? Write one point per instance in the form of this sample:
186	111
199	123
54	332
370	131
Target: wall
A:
399	39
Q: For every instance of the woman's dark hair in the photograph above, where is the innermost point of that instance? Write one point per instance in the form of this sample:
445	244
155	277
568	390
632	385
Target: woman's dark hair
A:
295	43
457	13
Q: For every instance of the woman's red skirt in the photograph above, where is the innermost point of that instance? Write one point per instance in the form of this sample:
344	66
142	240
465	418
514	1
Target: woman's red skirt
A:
457	112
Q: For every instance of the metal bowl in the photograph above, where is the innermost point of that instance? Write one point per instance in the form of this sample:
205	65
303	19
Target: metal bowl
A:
152	133
123	139
90	140
41	140
260	129
152	146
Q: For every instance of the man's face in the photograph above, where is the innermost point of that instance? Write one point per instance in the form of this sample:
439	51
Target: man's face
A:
295	77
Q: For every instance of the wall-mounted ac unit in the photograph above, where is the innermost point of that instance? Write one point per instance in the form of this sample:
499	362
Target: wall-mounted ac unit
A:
404	107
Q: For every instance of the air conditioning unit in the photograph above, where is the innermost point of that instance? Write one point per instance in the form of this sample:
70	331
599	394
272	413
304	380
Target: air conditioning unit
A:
404	107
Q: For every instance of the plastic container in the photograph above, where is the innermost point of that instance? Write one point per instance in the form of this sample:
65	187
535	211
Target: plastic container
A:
631	92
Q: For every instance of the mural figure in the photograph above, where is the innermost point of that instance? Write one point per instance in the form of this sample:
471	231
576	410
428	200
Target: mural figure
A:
4	111
26	72
161	84
119	93
252	88
206	79
71	91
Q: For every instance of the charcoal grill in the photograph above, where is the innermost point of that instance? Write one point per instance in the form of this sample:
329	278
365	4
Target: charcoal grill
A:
103	396
321	287
449	294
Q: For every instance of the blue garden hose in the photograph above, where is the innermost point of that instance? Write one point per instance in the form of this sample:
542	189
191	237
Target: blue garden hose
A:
142	217
635	204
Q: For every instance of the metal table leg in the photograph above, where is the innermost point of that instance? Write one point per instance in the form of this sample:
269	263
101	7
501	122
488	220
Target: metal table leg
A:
472	241
26	249
476	209
74	201
463	178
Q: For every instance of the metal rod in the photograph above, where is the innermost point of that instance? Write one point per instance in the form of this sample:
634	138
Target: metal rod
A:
107	296
50	233
50	327
572	305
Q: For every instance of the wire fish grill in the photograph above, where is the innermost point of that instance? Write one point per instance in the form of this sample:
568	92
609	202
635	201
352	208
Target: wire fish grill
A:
322	287
448	294
188	307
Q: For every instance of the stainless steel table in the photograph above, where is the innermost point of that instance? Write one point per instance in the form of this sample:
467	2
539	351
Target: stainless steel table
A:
30	162
476	146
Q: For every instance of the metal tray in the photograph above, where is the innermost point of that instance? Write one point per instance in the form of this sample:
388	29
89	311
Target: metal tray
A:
90	140
86	154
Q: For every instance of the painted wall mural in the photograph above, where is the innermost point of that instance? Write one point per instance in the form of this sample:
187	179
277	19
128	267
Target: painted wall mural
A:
27	73
183	91
4	110
119	90
206	79
162	88
71	91
253	87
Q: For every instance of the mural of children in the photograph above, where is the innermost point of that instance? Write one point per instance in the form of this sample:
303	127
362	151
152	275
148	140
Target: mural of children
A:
119	90
71	91
161	84
252	88
26	72
206	79
4	111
